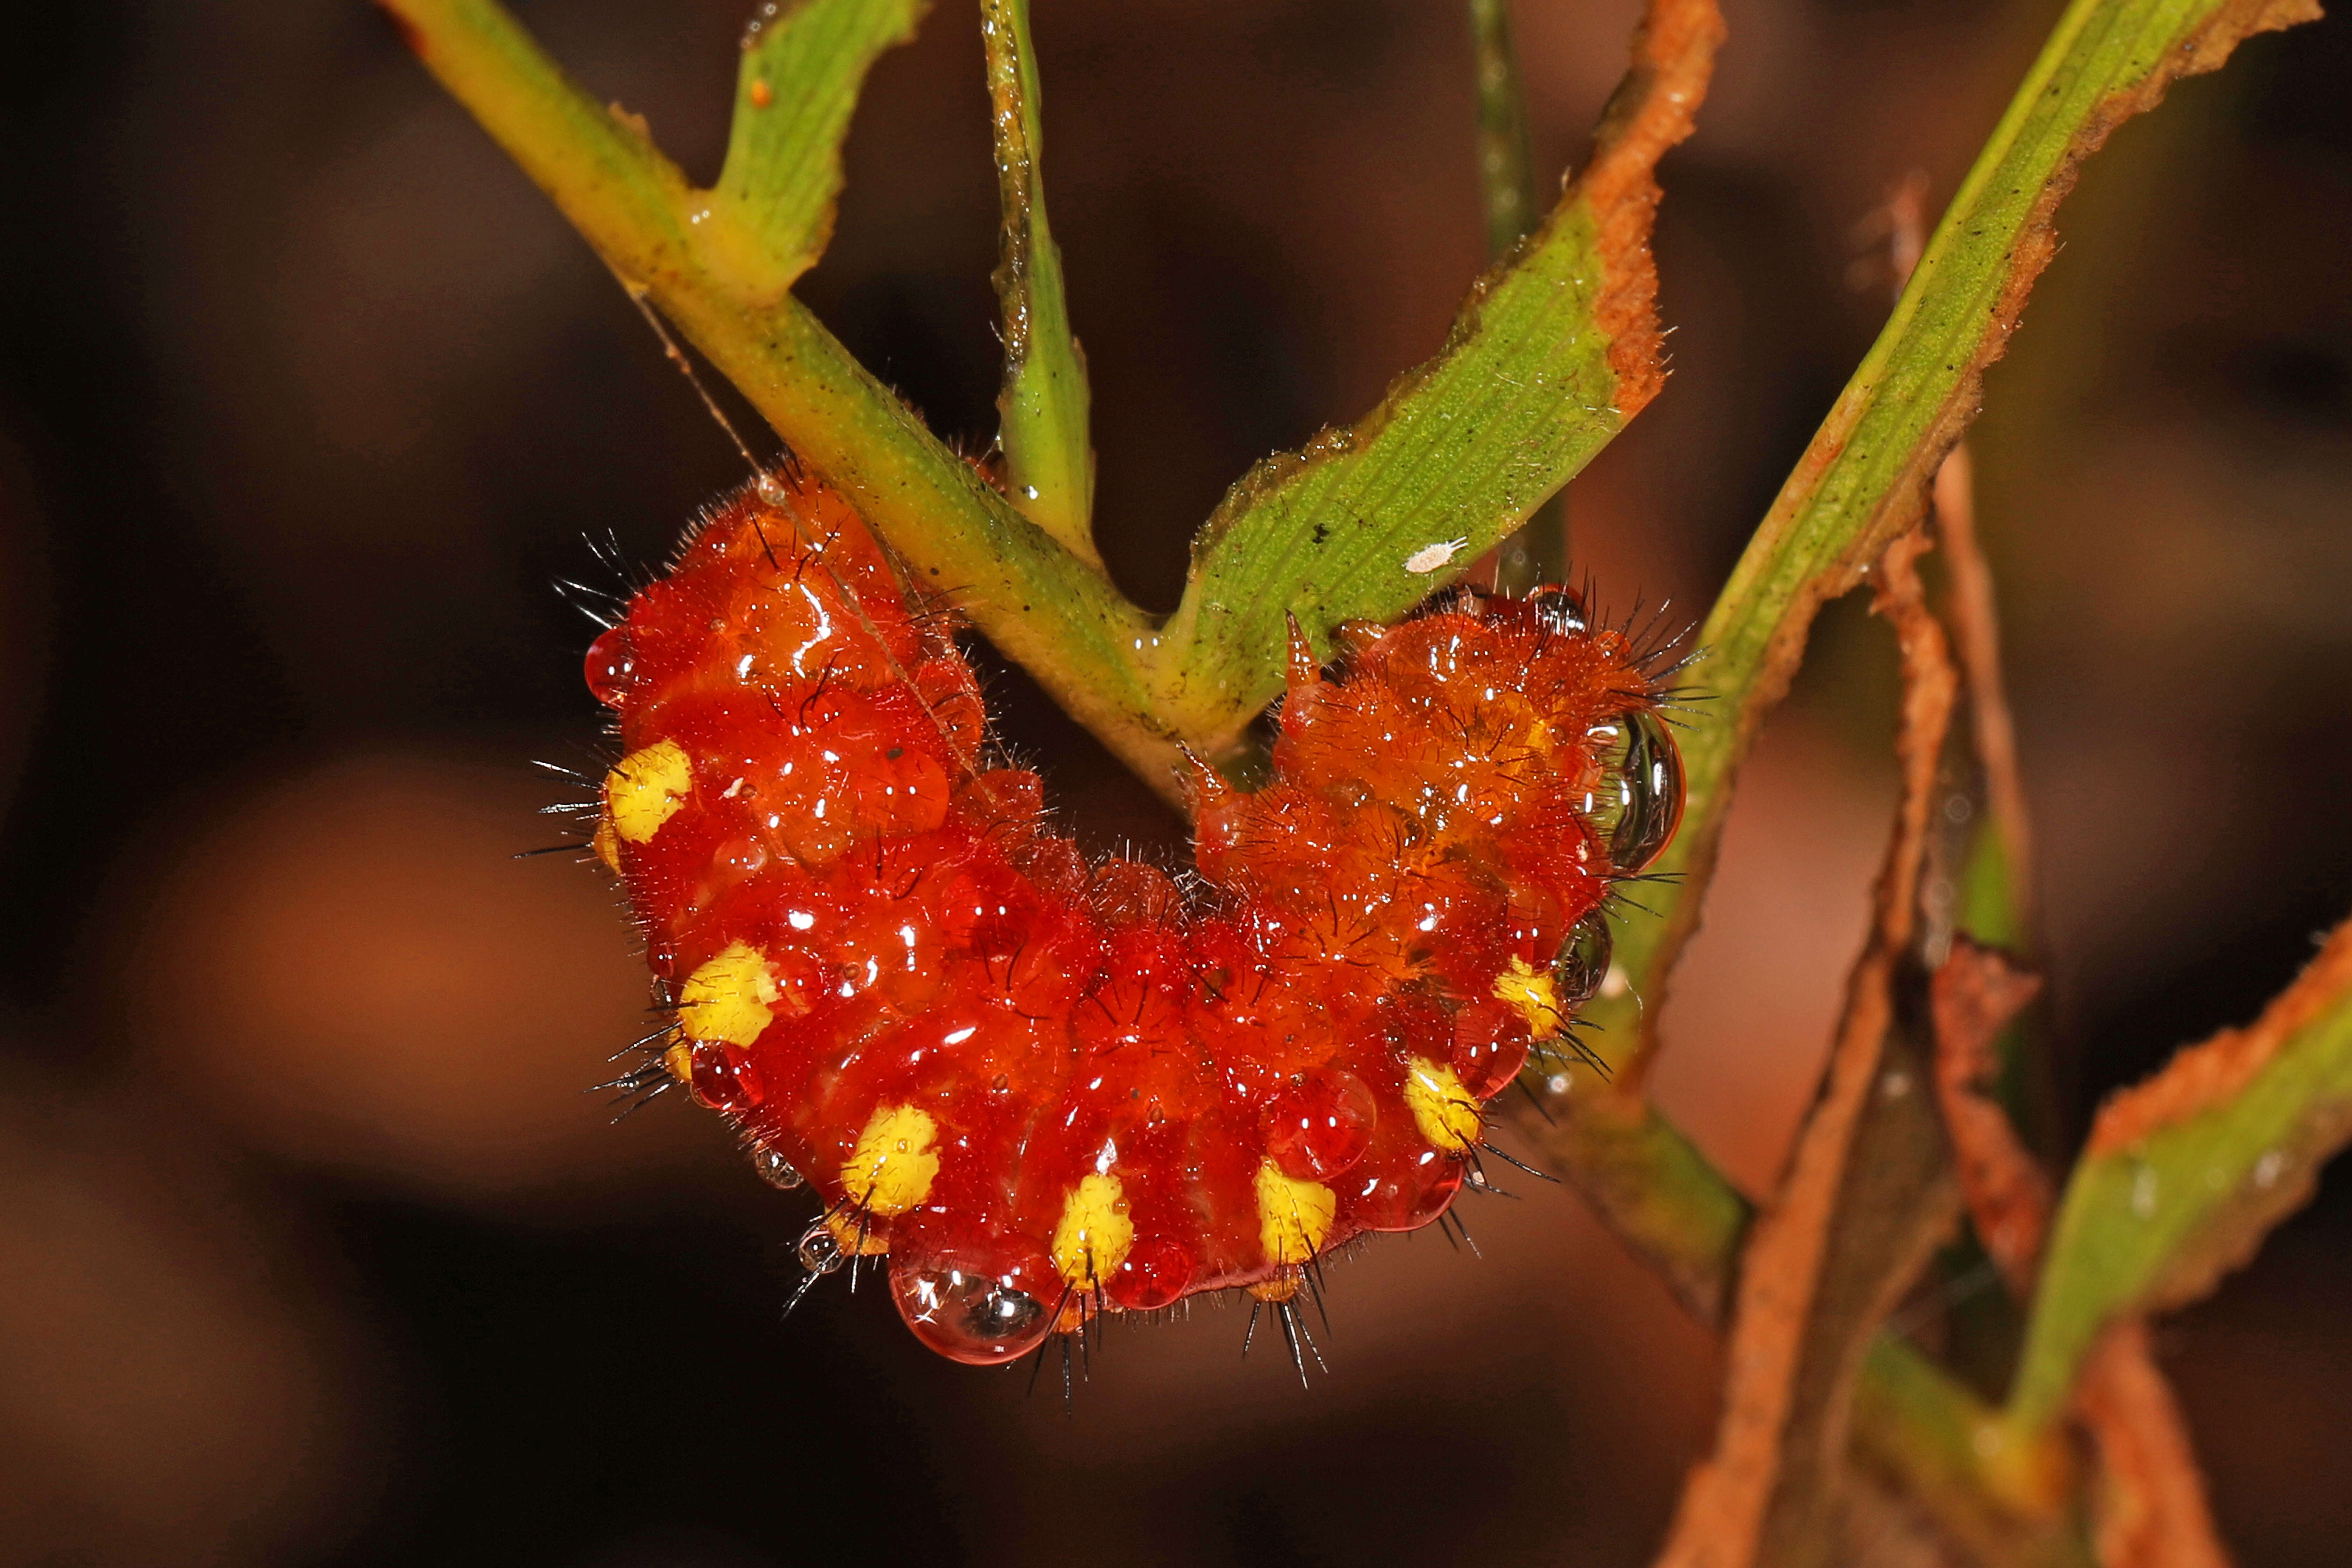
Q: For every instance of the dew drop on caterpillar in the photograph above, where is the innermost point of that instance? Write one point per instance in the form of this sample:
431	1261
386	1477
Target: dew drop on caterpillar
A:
1039	1088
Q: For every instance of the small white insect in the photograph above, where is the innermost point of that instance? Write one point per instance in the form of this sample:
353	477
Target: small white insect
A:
1430	557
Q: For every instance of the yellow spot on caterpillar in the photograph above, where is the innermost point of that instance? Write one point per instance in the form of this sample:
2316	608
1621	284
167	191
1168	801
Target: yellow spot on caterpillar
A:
890	1170
608	844
855	1237
679	1059
1281	1288
645	789
1445	1111
1515	714
1293	1217
1095	1233
728	998
1533	993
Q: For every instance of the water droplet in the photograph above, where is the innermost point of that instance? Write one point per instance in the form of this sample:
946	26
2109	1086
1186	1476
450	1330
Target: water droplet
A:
976	1315
1584	961
1317	1129
820	1249
775	1169
1490	1047
611	664
723	1078
1561	610
2142	1193
1639	802
1406	1194
1152	1275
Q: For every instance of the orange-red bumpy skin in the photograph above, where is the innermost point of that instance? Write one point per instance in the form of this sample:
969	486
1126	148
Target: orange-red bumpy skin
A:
1047	1087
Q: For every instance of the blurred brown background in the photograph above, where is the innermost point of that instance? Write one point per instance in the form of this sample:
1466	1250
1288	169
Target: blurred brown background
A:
310	1250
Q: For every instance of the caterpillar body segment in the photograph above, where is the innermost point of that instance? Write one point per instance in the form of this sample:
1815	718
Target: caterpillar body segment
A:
1047	1088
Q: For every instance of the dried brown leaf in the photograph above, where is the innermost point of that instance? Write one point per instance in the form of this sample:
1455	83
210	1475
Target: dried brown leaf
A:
1653	108
1970	998
1975	637
2150	1502
1868	1194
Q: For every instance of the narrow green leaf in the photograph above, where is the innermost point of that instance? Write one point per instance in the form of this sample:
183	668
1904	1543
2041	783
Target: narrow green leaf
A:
2186	1173
1553	354
1658	1192
802	67
1049	461
1864	478
1366	523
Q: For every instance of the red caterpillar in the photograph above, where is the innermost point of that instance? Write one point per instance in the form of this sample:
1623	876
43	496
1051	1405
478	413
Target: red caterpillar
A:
1047	1088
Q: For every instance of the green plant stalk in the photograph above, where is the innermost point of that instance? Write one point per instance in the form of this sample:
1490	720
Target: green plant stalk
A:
1042	606
704	268
1049	464
1863	478
1537	552
1549	357
1659	1193
1981	1328
2008	1500
1989	913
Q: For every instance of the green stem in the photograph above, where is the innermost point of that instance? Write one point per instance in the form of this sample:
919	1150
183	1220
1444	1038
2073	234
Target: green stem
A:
2007	1498
1657	1191
1053	613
